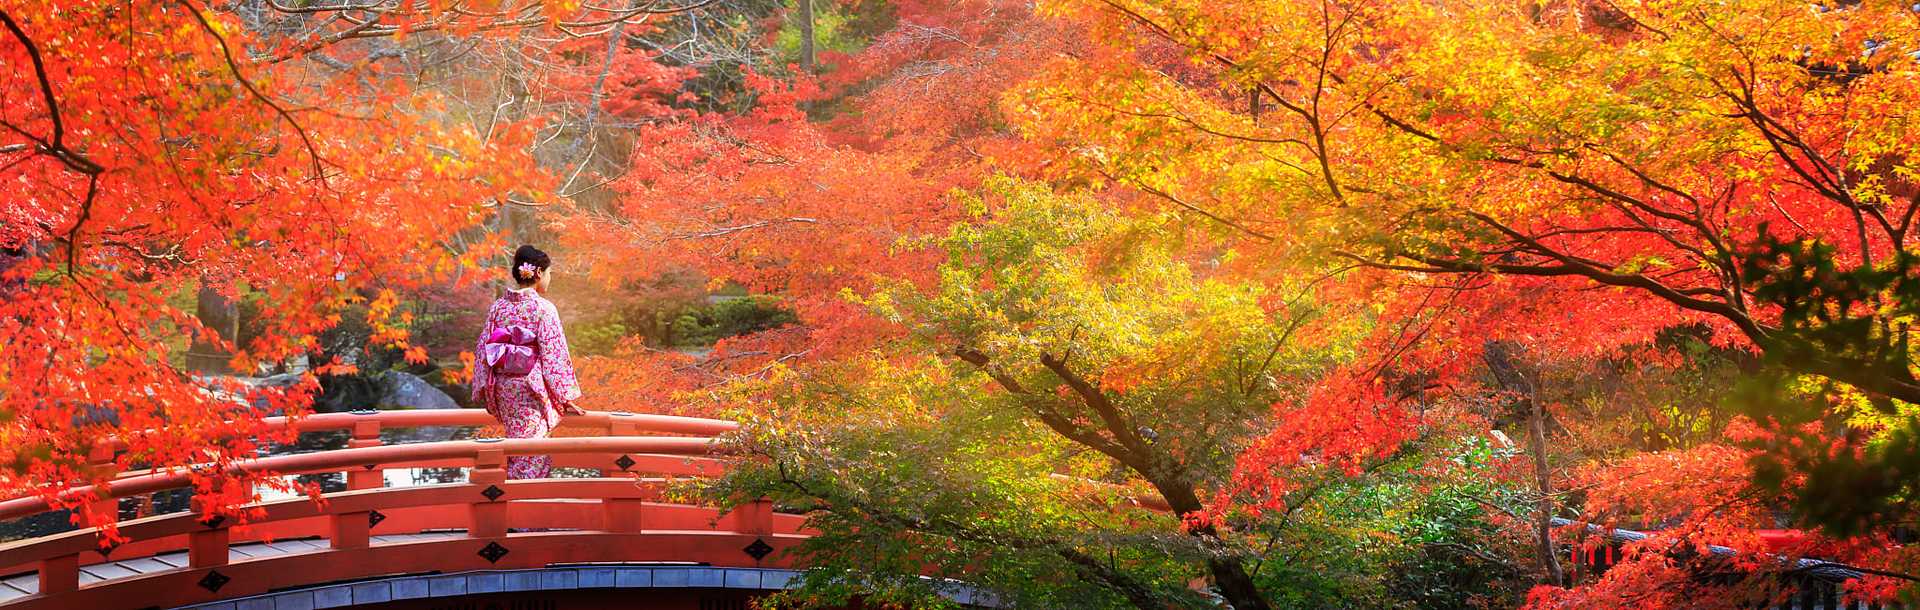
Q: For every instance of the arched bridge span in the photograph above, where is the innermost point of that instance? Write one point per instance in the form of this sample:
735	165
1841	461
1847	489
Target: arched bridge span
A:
434	546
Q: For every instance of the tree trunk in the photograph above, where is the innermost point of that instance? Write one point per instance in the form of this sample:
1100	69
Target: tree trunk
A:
1152	462
219	315
1236	585
8	258
806	35
1543	479
1502	360
1229	574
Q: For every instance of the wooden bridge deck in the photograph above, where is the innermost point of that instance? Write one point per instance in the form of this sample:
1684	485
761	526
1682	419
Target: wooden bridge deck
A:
23	585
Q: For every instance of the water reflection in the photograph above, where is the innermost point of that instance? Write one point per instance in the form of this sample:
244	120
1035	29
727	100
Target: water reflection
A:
328	440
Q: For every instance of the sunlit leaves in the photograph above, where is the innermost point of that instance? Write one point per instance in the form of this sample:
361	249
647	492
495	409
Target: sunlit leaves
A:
219	171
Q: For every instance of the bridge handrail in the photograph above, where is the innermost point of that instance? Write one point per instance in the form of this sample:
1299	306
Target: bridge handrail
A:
342	459
415	418
21	552
1818	568
367	424
610	421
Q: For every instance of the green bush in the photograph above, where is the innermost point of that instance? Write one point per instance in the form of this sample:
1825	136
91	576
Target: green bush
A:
597	336
728	318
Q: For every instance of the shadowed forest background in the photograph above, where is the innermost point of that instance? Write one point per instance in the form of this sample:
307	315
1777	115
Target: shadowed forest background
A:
1369	293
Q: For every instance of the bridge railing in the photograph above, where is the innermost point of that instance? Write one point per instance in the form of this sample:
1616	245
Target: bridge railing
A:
615	423
480	507
629	464
453	453
365	427
1807	584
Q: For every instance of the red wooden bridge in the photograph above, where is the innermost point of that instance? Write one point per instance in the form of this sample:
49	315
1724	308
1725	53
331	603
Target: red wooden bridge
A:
595	542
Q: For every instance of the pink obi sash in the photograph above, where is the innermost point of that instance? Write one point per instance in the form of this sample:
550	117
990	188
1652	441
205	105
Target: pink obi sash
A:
509	351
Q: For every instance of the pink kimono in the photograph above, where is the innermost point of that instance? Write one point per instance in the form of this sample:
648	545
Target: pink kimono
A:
528	405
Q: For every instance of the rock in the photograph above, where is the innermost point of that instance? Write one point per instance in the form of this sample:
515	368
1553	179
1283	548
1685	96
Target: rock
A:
399	390
340	393
403	390
436	376
282	380
250	391
461	393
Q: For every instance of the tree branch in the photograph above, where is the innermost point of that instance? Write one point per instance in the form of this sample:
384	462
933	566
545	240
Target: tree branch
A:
227	53
54	145
1117	423
1047	414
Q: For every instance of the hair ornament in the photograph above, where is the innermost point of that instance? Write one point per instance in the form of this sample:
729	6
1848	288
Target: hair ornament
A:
526	270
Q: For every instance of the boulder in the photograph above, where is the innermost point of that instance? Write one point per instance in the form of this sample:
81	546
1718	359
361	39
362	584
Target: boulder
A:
401	390
347	393
283	380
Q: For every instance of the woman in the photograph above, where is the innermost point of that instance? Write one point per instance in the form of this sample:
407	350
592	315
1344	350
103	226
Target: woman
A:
521	370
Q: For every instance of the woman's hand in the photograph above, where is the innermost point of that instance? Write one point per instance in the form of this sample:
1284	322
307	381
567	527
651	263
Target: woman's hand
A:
568	408
485	397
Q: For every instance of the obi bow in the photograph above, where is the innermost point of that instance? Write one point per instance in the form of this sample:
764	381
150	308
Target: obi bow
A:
510	351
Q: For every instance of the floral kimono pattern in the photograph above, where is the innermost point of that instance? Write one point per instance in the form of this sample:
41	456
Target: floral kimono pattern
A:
529	406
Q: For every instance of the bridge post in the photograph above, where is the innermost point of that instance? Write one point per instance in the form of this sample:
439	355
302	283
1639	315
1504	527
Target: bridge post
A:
59	574
489	512
626	515
207	548
100	464
350	530
619	424
757	517
366	433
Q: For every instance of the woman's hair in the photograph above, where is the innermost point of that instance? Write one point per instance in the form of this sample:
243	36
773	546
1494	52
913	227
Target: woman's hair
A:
525	258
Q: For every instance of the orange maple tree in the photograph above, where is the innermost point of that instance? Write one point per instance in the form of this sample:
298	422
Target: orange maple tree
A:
812	209
149	152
